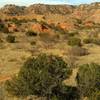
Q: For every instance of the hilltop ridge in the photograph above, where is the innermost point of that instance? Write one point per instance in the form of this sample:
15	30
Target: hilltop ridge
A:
84	11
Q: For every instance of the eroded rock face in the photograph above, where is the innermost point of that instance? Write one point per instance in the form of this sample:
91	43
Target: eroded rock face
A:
40	28
66	26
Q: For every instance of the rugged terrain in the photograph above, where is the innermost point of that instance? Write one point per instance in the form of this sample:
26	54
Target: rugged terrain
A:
51	26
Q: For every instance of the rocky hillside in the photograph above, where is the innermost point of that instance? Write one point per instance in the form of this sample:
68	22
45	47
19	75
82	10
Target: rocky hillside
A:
37	9
84	11
13	10
53	9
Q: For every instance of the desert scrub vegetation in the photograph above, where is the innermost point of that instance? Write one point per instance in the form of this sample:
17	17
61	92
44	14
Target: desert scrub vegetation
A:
73	41
15	21
73	33
87	40
43	76
10	39
31	33
88	79
92	40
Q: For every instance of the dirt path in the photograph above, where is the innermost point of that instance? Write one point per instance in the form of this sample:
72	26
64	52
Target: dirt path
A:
71	81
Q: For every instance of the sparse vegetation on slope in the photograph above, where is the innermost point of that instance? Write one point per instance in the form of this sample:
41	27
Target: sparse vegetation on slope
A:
71	32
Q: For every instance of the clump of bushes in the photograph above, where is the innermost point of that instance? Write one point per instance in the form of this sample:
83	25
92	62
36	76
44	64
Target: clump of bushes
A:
10	39
31	33
92	40
73	41
42	76
88	79
87	40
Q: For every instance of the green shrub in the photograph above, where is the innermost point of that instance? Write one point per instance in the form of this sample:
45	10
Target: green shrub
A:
10	39
72	34
92	40
39	76
87	40
31	33
74	41
88	79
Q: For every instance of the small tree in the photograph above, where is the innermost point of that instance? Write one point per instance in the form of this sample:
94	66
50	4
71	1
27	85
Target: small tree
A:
39	76
88	78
